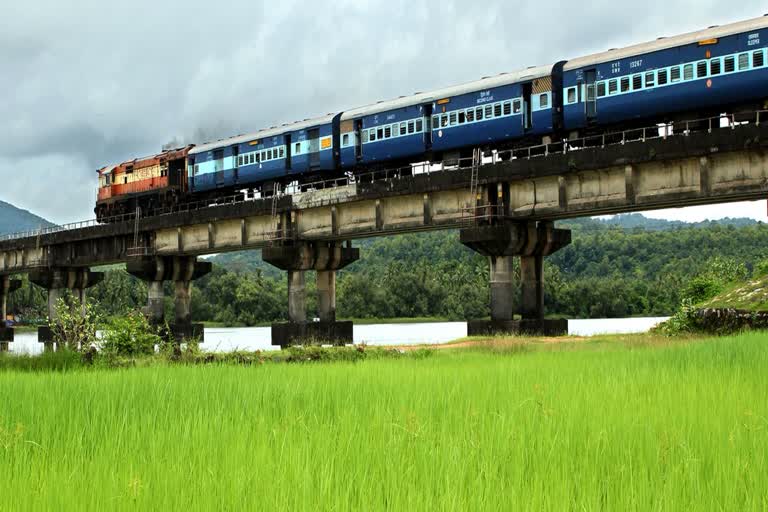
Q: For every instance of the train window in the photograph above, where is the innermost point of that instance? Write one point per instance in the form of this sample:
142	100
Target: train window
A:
572	95
625	84
488	112
419	125
410	127
743	61
239	161
365	139
650	79
345	140
662	77
517	106
470	115
387	132
197	169
269	154
507	108
714	67
758	59
544	99
282	152
444	121
701	69
453	118
600	90
674	74
497	110
688	72
298	145
730	64
249	159
257	158
462	117
435	122
379	133
637	82
613	86
403	128
479	113
373	135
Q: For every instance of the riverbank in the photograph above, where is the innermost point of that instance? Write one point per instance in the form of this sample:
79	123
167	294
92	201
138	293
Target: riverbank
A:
628	422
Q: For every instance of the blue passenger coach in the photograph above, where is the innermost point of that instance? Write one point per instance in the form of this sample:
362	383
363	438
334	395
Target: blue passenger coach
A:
268	155
712	68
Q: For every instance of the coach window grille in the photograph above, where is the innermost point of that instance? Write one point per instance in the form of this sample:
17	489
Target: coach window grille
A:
650	79
637	82
701	69
601	89
572	95
517	106
256	159
379	133
489	112
282	152
365	139
454	118
674	74
435	122
497	110
625	84
410	127
239	161
403	128
387	132
714	67
444	121
743	61
479	113
462	117
544	99
507	108
758	59
662	77
688	72
471	115
419	125
730	64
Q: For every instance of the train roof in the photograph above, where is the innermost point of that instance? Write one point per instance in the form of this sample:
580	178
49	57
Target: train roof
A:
665	43
422	98
169	154
264	134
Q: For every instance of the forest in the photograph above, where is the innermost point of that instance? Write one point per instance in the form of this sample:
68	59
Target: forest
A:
615	268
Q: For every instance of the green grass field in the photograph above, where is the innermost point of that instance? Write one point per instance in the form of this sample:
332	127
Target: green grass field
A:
580	426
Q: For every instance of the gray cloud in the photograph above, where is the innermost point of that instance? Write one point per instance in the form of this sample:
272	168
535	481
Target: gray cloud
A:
99	82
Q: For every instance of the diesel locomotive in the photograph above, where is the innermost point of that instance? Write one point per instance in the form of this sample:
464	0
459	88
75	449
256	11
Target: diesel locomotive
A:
704	73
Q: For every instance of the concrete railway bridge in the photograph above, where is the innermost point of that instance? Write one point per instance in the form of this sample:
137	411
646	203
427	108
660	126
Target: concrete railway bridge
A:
504	206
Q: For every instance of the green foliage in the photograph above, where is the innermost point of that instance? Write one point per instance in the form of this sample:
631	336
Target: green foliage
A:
129	336
682	322
75	325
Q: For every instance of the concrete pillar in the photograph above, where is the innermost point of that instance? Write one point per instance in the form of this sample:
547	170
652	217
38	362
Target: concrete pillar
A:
297	296
326	295
532	286
54	294
155	310
502	288
183	302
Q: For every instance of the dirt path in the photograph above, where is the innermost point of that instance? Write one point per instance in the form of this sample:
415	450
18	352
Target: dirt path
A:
496	342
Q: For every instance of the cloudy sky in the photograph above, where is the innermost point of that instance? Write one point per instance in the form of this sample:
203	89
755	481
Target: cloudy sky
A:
91	83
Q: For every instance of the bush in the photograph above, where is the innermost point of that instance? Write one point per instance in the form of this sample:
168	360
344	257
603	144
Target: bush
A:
75	326
129	335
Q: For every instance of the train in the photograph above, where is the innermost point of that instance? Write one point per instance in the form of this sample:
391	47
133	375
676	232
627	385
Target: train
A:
703	73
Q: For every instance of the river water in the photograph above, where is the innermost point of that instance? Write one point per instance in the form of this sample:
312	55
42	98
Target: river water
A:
258	338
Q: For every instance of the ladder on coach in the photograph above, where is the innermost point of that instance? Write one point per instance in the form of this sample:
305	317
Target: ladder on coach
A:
275	218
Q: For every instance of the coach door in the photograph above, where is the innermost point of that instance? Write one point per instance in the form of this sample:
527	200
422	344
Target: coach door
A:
288	152
527	106
314	147
590	78
218	158
359	140
428	126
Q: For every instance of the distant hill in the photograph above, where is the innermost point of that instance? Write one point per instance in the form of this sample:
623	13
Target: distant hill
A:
14	219
639	221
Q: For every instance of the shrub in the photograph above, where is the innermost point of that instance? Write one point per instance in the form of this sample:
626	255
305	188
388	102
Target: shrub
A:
75	326
129	335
